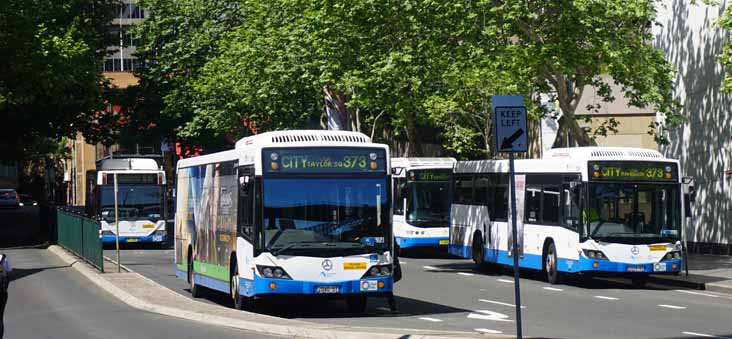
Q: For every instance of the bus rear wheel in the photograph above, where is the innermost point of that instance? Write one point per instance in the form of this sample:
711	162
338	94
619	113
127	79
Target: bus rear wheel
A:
550	264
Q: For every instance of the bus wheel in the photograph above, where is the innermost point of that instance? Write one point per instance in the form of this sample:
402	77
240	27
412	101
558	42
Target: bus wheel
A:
550	264
639	281
356	304
195	289
239	302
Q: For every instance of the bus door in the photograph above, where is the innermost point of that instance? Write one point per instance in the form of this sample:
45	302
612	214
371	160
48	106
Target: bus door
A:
246	235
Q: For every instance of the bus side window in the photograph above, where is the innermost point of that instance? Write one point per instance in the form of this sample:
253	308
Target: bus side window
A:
463	189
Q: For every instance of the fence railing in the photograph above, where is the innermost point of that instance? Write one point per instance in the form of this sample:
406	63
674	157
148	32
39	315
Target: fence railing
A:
80	235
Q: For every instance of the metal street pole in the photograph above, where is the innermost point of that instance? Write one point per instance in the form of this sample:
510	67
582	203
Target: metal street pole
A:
515	248
116	222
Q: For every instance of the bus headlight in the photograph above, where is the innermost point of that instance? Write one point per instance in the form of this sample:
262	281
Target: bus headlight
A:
675	255
378	271
273	272
593	254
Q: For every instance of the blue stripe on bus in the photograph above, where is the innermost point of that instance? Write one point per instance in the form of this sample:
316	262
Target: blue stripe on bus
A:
123	239
407	242
534	261
262	286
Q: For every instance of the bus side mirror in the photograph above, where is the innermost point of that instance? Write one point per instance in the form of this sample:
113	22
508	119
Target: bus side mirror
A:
397	170
692	194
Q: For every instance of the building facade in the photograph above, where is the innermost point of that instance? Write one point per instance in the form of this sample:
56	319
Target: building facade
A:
703	144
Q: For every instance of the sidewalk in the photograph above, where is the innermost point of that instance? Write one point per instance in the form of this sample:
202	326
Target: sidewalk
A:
145	294
706	272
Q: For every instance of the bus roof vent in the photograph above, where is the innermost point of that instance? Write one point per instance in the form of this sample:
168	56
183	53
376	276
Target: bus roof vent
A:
607	153
313	136
644	154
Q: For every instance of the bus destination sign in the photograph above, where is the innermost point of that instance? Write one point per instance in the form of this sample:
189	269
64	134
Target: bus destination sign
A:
429	175
324	160
129	178
647	171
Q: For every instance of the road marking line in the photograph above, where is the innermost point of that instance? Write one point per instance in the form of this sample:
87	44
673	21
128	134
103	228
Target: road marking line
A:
673	307
430	268
605	298
498	303
466	274
553	289
430	319
506	281
704	335
487	330
698	293
482	289
488	315
385	309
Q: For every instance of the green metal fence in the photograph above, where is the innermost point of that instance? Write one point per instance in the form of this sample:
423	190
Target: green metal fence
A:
80	235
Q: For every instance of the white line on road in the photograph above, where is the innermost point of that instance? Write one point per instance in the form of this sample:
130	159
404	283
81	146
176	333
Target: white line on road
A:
486	330
673	307
488	315
506	281
466	274
385	309
430	268
698	293
605	298
430	319
704	335
498	303
553	289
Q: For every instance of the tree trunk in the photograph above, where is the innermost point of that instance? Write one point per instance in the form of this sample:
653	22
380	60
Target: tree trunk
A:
412	135
568	125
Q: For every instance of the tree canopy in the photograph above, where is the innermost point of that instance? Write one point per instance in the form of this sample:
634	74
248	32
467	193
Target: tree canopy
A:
219	68
50	78
725	21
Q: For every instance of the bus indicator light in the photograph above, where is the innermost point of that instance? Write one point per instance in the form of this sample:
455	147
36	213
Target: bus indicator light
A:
595	265
674	266
275	165
668	175
374	165
596	174
381	284
272	286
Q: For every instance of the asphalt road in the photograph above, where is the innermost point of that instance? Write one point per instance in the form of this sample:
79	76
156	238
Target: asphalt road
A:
49	299
441	292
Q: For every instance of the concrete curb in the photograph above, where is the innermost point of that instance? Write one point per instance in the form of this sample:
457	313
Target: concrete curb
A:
299	329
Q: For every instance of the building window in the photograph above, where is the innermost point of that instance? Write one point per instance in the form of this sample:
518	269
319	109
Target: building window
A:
131	11
115	65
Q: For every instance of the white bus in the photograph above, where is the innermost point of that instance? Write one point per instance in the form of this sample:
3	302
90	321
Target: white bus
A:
590	210
421	201
140	200
284	213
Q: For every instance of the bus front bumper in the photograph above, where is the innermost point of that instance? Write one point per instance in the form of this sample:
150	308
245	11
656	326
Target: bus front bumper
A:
107	239
371	285
604	266
405	242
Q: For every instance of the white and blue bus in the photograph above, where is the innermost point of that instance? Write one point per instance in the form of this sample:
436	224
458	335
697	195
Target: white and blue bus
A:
421	201
288	213
590	210
140	200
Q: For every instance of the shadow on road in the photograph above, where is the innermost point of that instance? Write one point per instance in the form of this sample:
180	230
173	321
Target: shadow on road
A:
20	273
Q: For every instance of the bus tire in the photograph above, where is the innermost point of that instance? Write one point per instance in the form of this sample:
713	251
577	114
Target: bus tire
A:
234	289
550	264
195	289
356	304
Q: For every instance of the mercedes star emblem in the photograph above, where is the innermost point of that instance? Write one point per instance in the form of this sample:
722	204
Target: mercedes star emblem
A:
327	265
635	250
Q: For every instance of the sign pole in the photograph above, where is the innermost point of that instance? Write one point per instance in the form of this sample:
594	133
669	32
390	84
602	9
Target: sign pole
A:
116	222
511	133
515	248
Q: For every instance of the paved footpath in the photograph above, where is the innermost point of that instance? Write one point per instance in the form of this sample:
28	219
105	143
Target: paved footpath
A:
48	298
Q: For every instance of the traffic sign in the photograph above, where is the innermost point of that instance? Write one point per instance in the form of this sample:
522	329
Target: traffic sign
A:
510	124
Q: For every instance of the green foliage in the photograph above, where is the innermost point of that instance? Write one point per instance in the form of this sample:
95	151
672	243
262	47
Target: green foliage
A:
50	80
725	21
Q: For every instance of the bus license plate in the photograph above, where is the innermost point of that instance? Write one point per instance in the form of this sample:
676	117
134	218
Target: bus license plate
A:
443	242
636	269
131	239
327	289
